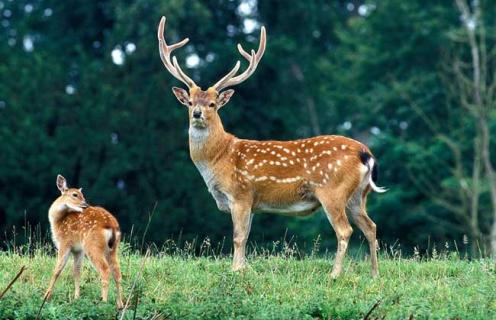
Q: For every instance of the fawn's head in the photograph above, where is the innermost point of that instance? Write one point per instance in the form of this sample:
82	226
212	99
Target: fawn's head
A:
71	199
204	104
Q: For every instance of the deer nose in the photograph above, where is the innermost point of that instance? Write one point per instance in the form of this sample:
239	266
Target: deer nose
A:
197	114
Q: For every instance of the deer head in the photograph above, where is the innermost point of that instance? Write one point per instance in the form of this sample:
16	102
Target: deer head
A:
71	199
204	104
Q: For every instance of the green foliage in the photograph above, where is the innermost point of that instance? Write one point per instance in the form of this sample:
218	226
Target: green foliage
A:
117	131
177	286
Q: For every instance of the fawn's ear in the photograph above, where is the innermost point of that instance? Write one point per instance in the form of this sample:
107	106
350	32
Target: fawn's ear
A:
61	184
224	97
181	95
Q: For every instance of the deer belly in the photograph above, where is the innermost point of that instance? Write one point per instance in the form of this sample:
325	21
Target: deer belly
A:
300	208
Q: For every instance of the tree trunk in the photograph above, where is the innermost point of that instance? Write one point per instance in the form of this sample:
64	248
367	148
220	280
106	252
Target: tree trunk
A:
491	177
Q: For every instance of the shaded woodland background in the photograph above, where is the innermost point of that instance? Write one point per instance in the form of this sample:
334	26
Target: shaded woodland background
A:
83	93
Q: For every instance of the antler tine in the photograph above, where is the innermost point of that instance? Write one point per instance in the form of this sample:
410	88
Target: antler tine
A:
181	73
165	52
219	85
253	58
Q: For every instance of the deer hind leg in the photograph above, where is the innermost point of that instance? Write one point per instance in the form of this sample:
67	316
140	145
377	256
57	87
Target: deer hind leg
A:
357	209
97	252
335	212
241	217
113	261
78	262
62	257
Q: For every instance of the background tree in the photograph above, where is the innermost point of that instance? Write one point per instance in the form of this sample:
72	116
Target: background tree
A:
83	93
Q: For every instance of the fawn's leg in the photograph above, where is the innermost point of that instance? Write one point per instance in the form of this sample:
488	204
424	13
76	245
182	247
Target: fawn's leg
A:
97	254
62	257
241	217
78	262
116	272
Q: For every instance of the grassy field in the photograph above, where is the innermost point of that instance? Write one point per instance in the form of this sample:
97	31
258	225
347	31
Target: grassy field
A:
275	286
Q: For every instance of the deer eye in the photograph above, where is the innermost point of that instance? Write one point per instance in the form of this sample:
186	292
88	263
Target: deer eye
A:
190	103
211	105
74	195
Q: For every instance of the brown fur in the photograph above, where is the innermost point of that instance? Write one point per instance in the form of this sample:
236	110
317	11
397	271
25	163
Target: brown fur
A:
286	177
84	230
259	176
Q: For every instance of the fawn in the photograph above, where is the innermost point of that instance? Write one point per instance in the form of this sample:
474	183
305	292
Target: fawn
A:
84	230
284	177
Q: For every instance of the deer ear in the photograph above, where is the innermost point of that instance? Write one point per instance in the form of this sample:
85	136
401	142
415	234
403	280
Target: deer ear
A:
181	95
61	184
224	97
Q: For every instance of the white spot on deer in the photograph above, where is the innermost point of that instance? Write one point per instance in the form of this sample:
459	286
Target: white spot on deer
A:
262	178
250	161
313	168
298	150
271	163
309	172
305	165
293	153
338	162
346	156
284	164
334	148
284	158
272	178
291	162
329	166
278	163
273	152
343	146
316	143
286	150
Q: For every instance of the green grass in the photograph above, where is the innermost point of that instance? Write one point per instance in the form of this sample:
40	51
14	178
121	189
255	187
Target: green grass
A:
281	286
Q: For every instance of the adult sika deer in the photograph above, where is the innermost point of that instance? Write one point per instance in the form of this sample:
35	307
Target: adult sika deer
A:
285	177
84	230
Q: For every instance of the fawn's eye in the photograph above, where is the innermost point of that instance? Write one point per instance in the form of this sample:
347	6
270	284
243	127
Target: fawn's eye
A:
211	105
190	103
74	195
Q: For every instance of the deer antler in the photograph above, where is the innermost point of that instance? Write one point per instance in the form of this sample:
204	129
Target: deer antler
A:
229	79
165	54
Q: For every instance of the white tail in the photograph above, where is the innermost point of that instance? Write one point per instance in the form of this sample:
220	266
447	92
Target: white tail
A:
371	164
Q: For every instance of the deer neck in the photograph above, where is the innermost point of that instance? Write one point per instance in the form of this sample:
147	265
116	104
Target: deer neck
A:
56	212
209	145
59	210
